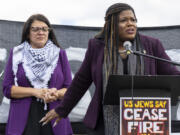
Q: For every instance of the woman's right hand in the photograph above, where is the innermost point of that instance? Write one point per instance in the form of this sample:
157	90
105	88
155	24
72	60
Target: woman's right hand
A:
53	94
40	93
23	92
50	95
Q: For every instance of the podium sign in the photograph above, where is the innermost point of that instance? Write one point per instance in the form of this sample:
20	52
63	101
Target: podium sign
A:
145	116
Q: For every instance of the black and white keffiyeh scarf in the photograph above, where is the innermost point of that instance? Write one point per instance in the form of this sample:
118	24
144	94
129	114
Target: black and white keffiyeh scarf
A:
38	64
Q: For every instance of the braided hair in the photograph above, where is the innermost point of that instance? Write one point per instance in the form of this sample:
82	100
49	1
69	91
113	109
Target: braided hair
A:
110	35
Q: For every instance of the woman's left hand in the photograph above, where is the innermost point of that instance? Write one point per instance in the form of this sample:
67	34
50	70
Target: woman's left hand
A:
50	116
61	93
50	95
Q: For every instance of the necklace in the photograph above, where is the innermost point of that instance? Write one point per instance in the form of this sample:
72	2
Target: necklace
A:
122	54
122	51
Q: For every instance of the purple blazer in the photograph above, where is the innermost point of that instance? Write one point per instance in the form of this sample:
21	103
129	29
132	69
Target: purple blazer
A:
19	108
91	71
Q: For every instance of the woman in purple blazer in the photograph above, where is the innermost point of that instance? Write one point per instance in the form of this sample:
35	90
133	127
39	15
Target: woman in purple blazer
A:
37	72
106	55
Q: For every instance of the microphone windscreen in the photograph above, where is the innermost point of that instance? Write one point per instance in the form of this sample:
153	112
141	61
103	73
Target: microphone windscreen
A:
127	45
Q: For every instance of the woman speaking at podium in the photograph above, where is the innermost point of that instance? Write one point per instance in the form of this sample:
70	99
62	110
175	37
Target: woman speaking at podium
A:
106	55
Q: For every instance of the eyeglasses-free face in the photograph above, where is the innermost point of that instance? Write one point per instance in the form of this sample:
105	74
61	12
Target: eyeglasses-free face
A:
38	35
127	25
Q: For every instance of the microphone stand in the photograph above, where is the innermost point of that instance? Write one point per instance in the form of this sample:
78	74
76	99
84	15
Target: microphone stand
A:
153	57
129	51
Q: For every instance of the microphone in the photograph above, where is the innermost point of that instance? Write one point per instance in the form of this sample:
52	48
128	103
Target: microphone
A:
127	45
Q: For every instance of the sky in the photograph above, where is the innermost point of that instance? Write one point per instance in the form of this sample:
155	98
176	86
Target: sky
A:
91	12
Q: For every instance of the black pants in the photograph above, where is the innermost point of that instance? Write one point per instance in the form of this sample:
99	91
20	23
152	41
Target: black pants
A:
99	130
33	127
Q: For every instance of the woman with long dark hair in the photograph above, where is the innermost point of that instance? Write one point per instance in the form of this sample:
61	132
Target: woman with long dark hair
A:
106	55
36	77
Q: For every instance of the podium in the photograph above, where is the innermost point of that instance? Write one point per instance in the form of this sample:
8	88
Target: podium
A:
141	86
